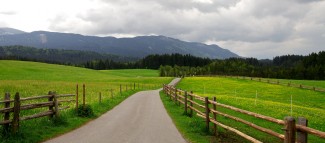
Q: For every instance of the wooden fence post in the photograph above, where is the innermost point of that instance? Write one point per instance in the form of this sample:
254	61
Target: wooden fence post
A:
7	114
175	93
15	120
185	102
56	105
191	103
302	136
170	92
77	94
215	116
120	89
300	86
51	106
207	117
180	93
290	130
100	97
83	95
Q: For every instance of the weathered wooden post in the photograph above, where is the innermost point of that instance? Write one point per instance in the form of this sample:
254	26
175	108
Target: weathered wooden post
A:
191	103
50	99
290	130
180	93
185	102
84	96
300	86
15	120
215	116
207	117
120	89
100	97
56	105
170	93
302	136
175	93
7	114
77	99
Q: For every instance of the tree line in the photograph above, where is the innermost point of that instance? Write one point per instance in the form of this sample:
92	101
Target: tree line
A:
149	62
285	67
56	56
311	66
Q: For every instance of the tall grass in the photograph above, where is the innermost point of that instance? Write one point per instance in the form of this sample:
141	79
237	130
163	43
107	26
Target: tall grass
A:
263	98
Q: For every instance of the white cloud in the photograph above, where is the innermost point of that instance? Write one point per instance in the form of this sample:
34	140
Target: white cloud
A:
258	28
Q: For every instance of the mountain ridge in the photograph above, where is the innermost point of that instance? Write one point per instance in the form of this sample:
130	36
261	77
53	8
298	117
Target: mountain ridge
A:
139	47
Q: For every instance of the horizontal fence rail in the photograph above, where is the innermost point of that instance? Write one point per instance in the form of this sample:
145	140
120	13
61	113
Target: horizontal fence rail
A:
192	103
52	104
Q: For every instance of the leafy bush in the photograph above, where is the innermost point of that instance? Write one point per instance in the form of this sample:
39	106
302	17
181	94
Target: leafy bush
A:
85	111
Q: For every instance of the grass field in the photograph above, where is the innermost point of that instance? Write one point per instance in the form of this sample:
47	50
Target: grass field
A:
316	83
192	128
32	79
263	98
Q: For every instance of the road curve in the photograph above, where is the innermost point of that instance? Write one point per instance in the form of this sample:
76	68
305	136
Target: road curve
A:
141	118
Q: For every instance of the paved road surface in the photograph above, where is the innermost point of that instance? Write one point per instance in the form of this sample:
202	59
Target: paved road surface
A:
141	118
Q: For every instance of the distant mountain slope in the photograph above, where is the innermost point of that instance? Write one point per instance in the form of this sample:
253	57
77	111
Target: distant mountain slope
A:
10	31
131	47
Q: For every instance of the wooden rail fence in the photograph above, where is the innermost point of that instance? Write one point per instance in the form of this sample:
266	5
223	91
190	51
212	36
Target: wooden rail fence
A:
274	81
190	102
52	105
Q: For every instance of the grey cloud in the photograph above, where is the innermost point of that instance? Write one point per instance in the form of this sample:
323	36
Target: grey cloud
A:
268	25
8	12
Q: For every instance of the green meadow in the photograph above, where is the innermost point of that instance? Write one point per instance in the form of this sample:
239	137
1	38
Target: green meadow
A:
33	79
276	101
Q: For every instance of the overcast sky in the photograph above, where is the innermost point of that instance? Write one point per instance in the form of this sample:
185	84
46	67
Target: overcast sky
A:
250	28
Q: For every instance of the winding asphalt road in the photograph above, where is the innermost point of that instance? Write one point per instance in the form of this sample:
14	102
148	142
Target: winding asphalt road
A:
141	118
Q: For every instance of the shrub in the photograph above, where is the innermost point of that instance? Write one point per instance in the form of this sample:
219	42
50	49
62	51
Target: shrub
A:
85	111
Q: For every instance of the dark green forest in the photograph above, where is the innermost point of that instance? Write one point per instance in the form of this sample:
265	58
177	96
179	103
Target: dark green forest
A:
56	56
284	67
150	62
311	66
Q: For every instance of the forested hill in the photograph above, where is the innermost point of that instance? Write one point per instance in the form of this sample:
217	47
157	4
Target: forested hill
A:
59	56
138	47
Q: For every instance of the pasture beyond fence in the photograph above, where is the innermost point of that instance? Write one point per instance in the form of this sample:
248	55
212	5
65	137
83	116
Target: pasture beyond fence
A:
276	81
12	114
191	103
